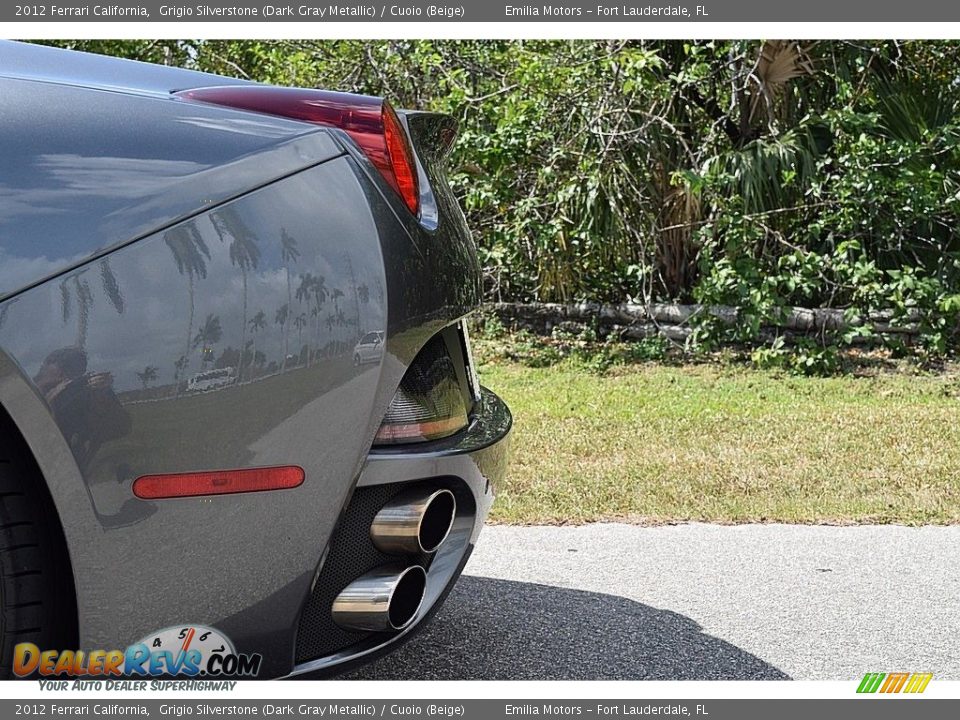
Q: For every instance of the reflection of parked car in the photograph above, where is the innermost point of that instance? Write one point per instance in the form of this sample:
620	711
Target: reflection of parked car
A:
369	349
211	380
159	218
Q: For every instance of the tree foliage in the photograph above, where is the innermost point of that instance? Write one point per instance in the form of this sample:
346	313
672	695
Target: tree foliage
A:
761	174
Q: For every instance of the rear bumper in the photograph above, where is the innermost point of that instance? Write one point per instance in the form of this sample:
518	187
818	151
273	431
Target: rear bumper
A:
470	464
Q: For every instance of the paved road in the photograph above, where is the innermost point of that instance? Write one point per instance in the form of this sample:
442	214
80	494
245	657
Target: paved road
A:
613	601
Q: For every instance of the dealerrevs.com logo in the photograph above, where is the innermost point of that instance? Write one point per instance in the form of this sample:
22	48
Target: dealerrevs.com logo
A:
183	650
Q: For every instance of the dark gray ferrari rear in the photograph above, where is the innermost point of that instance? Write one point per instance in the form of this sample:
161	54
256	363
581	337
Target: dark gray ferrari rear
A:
236	386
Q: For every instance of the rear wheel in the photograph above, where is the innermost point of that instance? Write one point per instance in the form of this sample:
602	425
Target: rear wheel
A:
36	584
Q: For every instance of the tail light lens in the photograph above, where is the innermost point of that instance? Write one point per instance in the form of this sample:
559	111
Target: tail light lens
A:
370	121
401	159
429	403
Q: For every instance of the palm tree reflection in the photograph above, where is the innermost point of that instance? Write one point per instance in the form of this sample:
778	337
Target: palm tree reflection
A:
190	253
244	253
257	323
148	375
209	334
288	253
76	287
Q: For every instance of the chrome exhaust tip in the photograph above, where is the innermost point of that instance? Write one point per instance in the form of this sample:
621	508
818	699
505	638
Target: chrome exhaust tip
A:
414	522
384	599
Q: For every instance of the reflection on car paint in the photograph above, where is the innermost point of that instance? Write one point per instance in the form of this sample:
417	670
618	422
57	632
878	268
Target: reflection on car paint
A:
67	193
369	349
83	404
175	247
239	297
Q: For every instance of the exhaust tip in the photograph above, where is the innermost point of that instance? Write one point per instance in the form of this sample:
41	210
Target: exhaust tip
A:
414	522
407	597
384	599
437	520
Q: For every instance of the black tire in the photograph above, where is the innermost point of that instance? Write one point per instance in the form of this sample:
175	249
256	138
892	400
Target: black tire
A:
36	583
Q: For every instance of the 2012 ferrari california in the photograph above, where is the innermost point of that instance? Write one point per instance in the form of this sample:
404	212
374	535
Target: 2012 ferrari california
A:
194	432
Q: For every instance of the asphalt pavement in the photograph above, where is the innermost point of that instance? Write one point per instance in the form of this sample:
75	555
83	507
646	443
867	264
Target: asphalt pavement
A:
614	601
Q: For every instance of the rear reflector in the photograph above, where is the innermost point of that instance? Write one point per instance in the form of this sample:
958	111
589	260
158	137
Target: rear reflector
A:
219	482
370	121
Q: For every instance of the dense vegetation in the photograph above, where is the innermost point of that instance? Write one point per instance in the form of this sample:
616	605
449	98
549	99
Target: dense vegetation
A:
758	174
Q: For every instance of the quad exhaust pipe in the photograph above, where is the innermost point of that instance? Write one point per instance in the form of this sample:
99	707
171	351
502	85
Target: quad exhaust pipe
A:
414	522
384	599
388	598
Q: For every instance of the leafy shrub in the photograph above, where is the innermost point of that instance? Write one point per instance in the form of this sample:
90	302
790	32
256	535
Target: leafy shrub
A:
756	174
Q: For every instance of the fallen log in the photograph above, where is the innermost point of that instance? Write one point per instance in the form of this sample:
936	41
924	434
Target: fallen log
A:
675	320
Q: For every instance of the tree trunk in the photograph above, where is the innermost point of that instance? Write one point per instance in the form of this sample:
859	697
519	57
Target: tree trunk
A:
673	320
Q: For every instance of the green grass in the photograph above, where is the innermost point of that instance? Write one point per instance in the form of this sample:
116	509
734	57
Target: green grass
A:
654	443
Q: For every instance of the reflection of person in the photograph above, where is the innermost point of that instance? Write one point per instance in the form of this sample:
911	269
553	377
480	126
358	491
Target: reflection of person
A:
83	404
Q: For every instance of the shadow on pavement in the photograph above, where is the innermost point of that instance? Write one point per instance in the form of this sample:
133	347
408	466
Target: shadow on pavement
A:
504	630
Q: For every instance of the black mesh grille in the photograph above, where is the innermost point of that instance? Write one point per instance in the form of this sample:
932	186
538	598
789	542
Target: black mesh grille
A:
352	553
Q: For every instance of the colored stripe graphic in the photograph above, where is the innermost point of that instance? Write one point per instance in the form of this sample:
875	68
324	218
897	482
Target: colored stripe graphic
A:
870	682
918	682
894	682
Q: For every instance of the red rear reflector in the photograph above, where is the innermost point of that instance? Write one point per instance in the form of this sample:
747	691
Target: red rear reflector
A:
219	482
370	121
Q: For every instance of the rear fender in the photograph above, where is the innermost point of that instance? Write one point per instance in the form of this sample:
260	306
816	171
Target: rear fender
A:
242	563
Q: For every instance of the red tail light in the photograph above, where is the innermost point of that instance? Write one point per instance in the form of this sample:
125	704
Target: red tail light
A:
220	482
370	121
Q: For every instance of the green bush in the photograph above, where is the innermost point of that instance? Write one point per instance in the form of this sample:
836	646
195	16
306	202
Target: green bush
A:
759	174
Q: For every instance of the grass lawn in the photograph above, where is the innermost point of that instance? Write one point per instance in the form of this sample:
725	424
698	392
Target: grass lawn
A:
654	443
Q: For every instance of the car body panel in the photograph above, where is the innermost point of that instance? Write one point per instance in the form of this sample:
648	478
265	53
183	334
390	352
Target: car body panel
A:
136	269
77	182
271	418
89	70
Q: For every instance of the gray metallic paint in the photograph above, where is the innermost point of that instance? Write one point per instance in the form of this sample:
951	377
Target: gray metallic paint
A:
78	179
49	64
88	256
